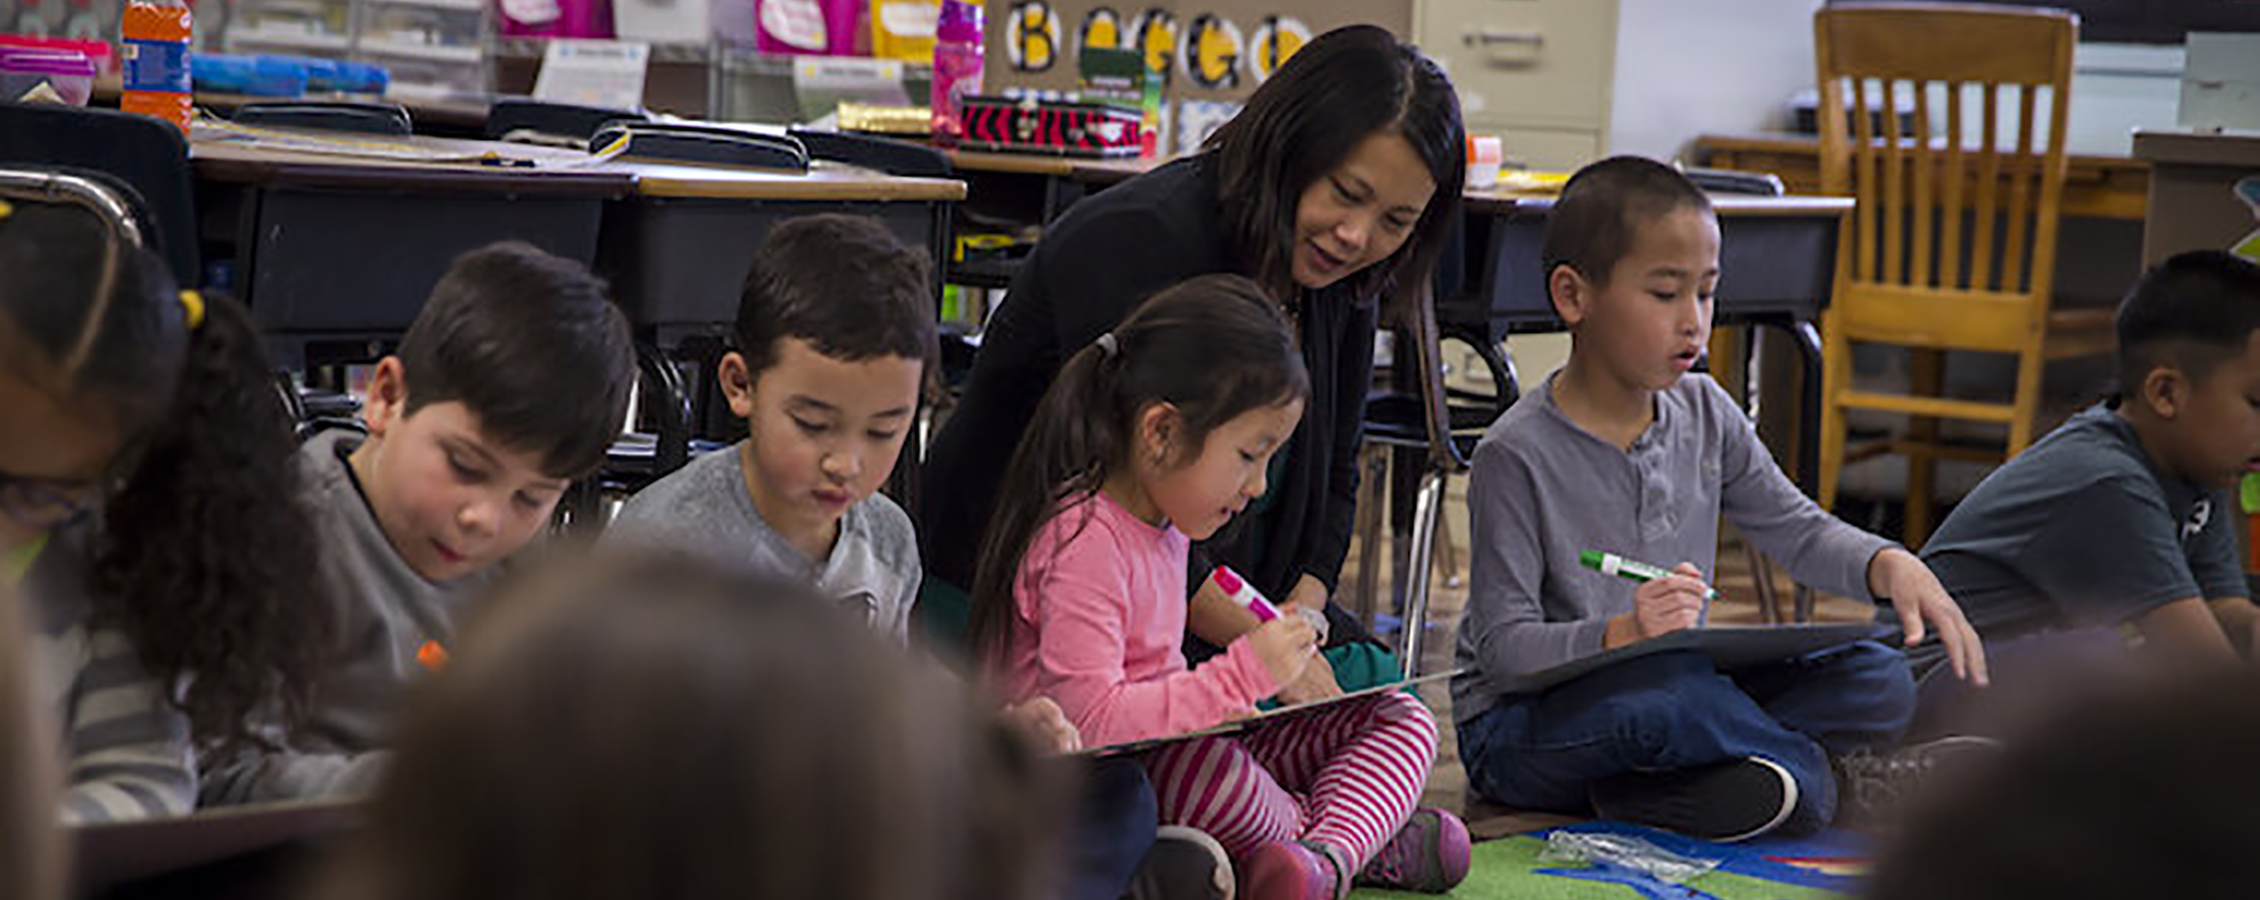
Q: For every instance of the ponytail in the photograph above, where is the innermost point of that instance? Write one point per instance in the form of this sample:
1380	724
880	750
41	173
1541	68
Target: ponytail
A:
206	559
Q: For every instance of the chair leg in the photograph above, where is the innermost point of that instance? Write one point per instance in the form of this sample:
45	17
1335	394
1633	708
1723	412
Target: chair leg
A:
1428	509
1926	377
1761	575
1370	515
2030	366
1836	378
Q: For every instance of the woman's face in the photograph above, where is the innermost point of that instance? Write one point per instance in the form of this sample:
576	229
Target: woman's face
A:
1360	212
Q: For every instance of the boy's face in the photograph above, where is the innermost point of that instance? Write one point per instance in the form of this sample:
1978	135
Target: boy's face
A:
824	432
2212	424
1649	323
451	500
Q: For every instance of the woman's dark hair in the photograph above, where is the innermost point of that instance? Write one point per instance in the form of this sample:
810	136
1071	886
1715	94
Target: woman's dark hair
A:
654	727
1213	347
204	560
1336	91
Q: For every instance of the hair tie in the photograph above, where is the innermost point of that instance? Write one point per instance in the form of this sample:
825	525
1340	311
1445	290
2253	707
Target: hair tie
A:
192	309
1108	345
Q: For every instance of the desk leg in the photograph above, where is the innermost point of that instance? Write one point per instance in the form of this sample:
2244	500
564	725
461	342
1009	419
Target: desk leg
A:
1808	338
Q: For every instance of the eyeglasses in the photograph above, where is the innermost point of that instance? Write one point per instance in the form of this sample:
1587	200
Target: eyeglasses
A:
44	505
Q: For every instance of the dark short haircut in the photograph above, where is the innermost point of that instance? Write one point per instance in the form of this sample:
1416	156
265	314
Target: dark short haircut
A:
1347	85
842	283
2191	311
1602	208
530	343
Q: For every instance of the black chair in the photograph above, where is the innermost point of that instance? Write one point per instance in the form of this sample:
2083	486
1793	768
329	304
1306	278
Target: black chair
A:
512	116
387	119
144	159
894	157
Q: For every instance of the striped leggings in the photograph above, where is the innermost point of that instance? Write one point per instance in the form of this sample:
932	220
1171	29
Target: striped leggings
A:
1346	777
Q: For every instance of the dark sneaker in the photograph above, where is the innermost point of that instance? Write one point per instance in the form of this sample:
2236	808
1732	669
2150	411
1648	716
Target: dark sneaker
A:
1185	864
1430	854
1727	802
1875	789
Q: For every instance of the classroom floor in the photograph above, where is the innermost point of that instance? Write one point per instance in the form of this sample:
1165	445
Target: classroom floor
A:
1447	784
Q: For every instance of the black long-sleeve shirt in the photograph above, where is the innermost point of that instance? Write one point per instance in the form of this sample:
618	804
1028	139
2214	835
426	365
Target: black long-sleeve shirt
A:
1094	266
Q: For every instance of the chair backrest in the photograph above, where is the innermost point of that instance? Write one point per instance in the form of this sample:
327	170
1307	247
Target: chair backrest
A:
1876	57
388	119
144	154
515	114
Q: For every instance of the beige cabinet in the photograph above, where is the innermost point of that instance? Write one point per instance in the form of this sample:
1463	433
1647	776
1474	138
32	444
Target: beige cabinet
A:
1567	81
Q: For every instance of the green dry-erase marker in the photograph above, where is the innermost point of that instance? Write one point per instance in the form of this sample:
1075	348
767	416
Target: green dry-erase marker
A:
1612	564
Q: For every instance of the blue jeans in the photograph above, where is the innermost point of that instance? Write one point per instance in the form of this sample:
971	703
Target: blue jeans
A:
1677	711
1114	827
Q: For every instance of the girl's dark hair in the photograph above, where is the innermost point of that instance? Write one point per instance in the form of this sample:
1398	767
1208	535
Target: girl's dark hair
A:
652	726
1213	347
1335	92
204	559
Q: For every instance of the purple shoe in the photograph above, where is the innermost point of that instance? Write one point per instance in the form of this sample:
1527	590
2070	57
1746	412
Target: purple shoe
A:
1430	854
1287	870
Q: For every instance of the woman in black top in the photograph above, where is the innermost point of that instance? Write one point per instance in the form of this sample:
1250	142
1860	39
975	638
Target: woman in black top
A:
1333	187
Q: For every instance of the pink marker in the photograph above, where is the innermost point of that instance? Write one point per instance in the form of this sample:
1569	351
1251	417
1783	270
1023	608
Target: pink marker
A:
1244	594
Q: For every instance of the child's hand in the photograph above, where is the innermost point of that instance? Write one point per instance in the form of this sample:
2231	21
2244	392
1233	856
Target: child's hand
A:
1662	606
1923	603
1045	727
1286	645
1316	684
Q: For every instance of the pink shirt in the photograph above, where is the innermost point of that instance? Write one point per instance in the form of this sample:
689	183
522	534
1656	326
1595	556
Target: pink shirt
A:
1100	617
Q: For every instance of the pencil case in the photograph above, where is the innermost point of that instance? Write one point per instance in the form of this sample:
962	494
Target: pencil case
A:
1053	127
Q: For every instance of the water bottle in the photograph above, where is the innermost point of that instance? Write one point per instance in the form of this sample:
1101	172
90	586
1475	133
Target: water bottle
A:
957	67
156	62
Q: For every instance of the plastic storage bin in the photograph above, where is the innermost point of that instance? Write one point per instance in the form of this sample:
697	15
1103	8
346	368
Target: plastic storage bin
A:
68	73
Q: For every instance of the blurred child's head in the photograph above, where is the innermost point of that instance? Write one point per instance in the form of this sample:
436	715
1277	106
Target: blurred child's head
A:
834	331
2189	364
511	383
31	855
153	413
2137	791
1346	163
1179	409
654	728
1631	260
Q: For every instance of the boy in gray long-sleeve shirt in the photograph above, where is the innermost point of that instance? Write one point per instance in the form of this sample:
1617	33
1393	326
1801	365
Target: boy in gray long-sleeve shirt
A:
512	382
1624	451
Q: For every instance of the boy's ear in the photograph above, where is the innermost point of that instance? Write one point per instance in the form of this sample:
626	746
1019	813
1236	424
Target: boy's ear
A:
737	380
1571	294
2165	390
388	396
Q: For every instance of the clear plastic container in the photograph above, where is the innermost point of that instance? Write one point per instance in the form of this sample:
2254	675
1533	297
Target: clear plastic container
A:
69	74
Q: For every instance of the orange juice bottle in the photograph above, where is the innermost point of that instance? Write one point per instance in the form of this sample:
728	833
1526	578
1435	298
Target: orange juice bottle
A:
156	62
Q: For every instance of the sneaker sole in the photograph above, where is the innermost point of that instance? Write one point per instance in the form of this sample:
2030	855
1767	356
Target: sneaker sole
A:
1164	877
1688	802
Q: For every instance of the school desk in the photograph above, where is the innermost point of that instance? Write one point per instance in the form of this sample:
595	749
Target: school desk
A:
336	251
433	116
1778	255
1027	187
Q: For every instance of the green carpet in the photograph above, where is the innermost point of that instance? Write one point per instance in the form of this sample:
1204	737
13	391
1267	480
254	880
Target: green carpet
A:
1508	868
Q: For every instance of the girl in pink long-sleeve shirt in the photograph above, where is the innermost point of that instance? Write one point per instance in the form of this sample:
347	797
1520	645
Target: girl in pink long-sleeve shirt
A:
1154	436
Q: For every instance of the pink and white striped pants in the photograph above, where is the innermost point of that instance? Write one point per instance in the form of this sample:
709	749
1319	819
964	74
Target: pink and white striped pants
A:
1346	777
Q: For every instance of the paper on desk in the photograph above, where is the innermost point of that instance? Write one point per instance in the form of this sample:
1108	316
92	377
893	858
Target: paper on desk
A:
208	128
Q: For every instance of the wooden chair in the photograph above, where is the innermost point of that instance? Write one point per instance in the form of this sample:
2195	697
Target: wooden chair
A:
1903	277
